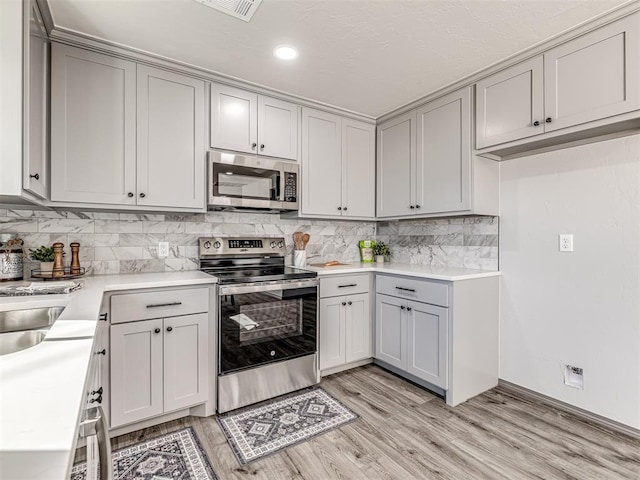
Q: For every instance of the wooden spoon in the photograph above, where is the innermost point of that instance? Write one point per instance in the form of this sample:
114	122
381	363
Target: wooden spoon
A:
297	240
305	240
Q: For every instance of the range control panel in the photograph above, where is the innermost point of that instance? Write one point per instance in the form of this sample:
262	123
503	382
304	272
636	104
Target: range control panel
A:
221	246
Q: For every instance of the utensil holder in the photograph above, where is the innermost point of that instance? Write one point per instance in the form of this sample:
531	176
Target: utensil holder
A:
299	258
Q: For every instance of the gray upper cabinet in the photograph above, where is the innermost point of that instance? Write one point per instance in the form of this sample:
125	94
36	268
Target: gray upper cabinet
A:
396	166
358	169
93	127
125	134
443	167
171	150
243	121
337	166
509	104
425	163
36	68
596	76
320	166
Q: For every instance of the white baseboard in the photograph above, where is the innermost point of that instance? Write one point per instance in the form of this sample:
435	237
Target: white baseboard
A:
578	412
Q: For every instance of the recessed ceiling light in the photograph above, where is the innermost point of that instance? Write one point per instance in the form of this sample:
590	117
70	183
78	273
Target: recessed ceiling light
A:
285	52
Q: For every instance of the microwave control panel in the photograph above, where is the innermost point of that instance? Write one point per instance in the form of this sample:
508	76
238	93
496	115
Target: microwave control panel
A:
290	193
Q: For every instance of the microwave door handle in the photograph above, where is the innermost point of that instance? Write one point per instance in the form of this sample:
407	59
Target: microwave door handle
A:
279	188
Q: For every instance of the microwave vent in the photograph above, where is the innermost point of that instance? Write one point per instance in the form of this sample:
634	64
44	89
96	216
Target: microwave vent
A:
242	9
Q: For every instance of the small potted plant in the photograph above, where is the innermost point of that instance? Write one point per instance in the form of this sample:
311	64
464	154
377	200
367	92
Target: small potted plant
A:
381	250
44	255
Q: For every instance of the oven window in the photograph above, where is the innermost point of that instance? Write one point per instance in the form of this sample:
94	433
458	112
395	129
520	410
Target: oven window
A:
245	182
264	327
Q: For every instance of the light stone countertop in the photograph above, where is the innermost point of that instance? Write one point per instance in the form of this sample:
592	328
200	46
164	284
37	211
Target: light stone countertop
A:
449	274
42	388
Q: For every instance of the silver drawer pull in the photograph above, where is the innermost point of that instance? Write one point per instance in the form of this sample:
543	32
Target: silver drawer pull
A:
172	304
349	285
406	289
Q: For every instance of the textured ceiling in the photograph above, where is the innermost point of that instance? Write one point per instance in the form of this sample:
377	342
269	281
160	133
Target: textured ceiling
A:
369	56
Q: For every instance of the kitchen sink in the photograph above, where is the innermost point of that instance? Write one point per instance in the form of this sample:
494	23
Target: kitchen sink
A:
28	319
15	341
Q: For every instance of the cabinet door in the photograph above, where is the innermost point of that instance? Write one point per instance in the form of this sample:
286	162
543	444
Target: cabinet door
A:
320	166
277	128
36	60
358	334
396	166
186	362
444	154
509	103
234	119
358	169
594	76
171	146
136	371
391	331
427	342
332	332
93	127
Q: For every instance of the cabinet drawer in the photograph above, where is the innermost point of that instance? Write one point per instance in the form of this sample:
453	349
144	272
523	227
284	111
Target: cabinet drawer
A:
420	290
169	303
344	285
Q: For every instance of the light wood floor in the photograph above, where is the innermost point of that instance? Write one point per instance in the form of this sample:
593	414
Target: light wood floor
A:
406	433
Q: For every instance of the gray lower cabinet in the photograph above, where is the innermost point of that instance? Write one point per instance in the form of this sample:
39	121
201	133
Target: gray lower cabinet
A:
345	321
440	334
412	336
159	355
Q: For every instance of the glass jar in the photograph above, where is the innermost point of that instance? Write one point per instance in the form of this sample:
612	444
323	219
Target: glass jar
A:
11	257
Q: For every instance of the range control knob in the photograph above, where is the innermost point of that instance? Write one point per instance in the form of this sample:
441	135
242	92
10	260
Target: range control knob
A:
217	244
273	244
207	244
280	244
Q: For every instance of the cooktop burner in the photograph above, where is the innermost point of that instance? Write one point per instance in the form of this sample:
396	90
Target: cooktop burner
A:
247	260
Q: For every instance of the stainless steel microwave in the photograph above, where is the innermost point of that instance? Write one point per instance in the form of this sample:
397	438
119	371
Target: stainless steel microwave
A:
250	182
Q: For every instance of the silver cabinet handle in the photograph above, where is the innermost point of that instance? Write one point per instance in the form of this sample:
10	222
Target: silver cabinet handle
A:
95	425
172	304
406	289
348	285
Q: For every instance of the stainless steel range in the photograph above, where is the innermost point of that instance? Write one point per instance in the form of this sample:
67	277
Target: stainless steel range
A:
267	320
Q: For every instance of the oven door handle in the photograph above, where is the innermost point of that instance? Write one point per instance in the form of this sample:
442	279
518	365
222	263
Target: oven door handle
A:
269	287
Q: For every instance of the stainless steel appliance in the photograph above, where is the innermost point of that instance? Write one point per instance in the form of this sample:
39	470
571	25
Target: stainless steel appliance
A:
251	182
267	320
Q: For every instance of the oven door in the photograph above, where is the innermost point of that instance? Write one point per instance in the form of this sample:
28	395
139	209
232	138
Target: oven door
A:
261	324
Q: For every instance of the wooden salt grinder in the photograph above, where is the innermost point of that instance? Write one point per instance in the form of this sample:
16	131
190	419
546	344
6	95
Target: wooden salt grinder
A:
58	265
75	258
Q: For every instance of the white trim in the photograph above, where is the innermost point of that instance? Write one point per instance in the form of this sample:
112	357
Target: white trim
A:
579	412
90	42
592	24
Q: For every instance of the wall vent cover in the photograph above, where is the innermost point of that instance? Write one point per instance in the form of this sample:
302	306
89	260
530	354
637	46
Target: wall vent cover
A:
242	9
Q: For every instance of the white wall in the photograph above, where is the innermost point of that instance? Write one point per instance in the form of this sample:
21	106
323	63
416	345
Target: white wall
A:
580	308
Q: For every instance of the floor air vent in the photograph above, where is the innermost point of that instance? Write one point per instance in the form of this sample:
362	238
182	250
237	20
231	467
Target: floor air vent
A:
242	9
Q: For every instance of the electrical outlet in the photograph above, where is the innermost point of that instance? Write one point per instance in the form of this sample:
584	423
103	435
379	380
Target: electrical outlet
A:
565	242
163	249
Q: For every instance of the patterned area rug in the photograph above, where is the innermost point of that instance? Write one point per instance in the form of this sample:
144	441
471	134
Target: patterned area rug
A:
263	430
175	456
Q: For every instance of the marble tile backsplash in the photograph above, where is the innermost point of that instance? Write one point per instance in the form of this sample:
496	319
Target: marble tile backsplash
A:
470	242
126	242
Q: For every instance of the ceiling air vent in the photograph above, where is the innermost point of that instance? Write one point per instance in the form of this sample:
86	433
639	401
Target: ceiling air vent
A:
242	9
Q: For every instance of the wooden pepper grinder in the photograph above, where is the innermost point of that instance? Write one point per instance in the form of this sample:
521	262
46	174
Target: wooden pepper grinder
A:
58	264
75	258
